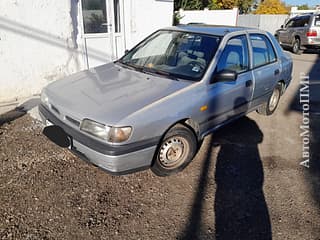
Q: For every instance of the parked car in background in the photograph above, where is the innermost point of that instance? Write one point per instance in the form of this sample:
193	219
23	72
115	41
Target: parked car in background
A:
300	32
153	107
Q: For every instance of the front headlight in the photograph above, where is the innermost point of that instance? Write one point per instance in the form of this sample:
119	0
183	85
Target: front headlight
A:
96	129
110	134
44	98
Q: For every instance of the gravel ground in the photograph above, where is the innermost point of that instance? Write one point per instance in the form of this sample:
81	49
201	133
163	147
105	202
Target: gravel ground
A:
227	192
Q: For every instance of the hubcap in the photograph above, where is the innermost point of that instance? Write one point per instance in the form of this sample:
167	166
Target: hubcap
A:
296	46
173	152
274	100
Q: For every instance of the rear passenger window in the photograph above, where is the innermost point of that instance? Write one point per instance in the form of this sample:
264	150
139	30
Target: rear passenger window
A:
262	49
235	55
302	21
317	20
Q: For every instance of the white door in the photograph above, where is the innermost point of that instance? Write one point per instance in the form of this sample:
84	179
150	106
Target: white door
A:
102	25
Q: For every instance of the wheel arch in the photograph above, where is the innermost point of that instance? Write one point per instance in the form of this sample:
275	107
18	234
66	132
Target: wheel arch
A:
188	123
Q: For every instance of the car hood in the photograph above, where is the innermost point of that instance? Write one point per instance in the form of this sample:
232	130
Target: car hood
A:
109	93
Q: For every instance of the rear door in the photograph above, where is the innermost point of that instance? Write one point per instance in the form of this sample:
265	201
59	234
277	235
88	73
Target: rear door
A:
265	67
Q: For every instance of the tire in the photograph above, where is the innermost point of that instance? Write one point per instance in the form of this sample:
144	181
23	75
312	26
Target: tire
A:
271	105
175	152
296	46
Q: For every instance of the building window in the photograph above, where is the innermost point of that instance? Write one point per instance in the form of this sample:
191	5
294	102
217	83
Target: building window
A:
94	16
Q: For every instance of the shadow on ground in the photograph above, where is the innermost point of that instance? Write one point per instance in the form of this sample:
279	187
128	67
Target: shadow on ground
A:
240	208
311	116
19	111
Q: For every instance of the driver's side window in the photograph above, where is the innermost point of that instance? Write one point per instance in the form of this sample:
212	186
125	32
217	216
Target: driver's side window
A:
235	55
289	24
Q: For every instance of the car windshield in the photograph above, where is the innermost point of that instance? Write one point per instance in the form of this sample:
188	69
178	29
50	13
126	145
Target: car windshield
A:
178	55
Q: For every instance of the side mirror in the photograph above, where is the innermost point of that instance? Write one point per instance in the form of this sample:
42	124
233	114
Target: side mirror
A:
282	26
126	51
225	76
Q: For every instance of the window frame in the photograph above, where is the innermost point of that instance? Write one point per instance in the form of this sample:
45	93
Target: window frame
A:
248	53
272	47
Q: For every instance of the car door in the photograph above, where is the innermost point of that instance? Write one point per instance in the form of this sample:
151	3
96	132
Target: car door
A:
265	68
230	98
286	32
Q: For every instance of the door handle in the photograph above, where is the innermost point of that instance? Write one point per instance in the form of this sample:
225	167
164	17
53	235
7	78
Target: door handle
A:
276	72
248	83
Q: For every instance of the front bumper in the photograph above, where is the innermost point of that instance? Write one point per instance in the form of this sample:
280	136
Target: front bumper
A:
116	165
116	160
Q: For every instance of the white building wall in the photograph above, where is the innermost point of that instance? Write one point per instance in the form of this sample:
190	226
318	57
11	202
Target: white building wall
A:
214	17
42	40
143	17
38	44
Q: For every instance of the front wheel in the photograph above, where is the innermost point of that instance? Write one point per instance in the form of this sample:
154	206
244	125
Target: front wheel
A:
175	152
271	105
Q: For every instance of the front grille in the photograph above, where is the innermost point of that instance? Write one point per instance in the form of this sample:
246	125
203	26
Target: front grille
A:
73	121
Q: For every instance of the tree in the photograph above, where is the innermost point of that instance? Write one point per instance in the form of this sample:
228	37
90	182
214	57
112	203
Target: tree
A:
271	7
244	6
213	5
190	4
303	7
226	4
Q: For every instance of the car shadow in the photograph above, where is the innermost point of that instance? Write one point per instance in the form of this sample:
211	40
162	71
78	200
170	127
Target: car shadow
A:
239	205
19	111
310	126
240	208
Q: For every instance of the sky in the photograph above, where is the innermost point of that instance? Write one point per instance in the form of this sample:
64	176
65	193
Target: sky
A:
300	2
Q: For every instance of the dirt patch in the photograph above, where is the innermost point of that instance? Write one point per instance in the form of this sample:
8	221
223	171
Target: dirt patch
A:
227	192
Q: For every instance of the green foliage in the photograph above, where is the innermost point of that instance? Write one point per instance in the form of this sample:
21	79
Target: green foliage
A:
227	4
213	5
243	5
303	7
190	4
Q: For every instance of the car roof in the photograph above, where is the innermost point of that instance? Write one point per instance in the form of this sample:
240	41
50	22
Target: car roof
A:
217	30
305	15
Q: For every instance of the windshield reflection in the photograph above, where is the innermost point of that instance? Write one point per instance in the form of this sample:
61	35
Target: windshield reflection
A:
173	54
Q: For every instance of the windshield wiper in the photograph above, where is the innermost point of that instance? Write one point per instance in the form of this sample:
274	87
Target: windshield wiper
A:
148	70
159	72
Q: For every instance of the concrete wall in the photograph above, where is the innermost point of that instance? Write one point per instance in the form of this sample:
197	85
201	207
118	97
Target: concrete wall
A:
268	23
214	17
143	17
39	43
42	40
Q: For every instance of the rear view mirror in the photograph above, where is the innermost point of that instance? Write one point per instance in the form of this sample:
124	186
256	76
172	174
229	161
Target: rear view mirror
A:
225	76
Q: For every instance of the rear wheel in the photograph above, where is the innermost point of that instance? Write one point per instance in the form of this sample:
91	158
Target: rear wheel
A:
175	152
296	46
271	105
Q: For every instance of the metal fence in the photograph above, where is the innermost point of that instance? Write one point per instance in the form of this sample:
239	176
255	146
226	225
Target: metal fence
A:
268	23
